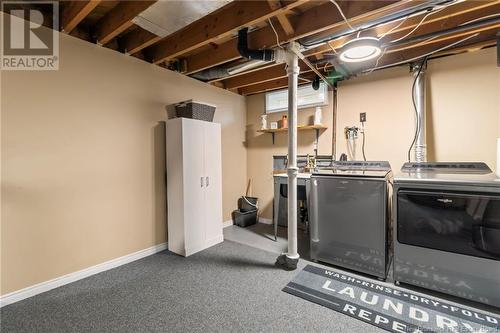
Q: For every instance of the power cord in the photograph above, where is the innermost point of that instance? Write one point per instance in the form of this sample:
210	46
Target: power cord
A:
363	146
362	130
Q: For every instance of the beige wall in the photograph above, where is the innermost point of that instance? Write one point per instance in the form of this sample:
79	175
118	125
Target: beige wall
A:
83	158
463	110
260	149
463	118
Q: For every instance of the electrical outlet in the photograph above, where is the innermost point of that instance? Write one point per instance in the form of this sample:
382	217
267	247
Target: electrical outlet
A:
362	117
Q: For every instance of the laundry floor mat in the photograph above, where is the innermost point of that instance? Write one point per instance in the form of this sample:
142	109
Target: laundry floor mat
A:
391	308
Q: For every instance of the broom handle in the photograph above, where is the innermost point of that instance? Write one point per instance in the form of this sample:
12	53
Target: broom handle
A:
249	188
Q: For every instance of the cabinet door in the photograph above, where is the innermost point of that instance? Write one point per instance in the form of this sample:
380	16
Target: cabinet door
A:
213	190
194	184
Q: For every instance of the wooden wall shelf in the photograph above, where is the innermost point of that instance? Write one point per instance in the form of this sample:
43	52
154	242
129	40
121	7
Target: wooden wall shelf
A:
315	128
299	128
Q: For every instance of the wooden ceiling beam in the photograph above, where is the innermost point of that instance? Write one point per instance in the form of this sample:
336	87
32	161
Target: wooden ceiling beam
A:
274	84
311	21
485	30
74	12
478	42
219	24
137	40
418	52
449	17
286	24
263	75
487	35
119	19
282	18
467	48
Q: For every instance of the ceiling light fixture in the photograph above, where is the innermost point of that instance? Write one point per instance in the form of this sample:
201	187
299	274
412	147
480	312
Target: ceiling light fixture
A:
360	49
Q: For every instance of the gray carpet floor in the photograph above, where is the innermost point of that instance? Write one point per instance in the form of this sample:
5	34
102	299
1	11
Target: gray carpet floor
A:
261	236
230	287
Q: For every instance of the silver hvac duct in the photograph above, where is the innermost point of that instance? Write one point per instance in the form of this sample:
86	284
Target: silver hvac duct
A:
223	72
257	58
420	109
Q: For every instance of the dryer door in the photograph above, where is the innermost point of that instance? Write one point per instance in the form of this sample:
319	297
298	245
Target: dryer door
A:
465	223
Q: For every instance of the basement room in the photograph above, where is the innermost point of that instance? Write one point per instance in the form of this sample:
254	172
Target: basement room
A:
250	166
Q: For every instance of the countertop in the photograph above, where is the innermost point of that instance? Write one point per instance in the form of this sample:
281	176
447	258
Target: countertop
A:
299	175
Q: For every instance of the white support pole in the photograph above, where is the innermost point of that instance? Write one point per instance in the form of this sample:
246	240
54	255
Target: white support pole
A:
293	80
289	260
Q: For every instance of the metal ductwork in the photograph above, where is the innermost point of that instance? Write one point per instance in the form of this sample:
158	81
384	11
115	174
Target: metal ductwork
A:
257	58
224	71
211	74
420	109
264	55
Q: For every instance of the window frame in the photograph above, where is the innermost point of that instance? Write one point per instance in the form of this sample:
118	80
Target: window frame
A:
323	87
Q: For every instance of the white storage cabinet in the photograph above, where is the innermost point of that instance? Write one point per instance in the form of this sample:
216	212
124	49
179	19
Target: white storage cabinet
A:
194	185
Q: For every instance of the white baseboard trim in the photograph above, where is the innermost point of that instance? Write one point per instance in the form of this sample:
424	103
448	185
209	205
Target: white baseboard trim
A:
265	221
227	223
39	288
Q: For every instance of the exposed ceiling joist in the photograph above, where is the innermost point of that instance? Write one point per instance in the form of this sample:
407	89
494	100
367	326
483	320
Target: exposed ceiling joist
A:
286	24
282	18
418	52
311	21
484	30
474	46
455	9
74	12
478	42
119	19
274	84
448	18
276	72
263	75
466	14
219	24
137	40
461	26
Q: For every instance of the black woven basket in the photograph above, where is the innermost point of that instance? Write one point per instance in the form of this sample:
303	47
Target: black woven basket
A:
195	110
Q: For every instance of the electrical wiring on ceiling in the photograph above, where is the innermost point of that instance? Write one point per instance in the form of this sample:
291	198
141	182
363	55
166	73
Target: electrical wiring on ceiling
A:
430	11
275	33
376	62
331	47
342	14
419	24
393	28
403	20
421	9
429	53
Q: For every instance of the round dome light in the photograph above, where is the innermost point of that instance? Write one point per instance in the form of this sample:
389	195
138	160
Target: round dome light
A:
360	49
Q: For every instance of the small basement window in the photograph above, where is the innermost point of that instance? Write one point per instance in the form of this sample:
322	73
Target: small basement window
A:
277	101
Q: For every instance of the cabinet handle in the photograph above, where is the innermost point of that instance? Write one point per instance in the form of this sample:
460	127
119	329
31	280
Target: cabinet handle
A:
201	181
206	181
